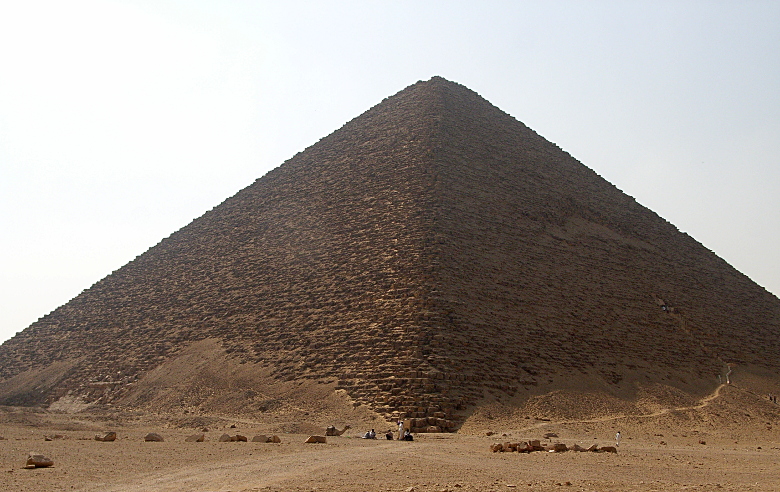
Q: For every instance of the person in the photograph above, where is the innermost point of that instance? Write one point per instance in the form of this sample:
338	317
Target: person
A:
372	434
367	435
408	436
400	429
617	439
389	435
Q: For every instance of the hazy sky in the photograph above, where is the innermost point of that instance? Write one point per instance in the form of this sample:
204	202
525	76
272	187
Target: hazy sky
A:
122	121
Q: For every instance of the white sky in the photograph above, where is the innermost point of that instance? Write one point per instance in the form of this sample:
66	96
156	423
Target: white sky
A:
121	121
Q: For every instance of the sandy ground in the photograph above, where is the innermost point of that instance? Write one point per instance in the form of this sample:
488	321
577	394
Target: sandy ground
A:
728	441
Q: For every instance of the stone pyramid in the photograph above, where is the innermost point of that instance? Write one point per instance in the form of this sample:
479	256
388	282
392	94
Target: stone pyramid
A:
432	253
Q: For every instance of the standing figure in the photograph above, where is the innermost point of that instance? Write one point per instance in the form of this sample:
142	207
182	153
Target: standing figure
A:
617	439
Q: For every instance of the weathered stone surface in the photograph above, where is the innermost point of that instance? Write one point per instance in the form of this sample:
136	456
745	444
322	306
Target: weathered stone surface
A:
316	440
261	438
38	460
153	437
560	447
106	436
225	438
434	227
196	438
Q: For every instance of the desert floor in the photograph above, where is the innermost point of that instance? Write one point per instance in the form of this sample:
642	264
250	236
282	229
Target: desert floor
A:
727	441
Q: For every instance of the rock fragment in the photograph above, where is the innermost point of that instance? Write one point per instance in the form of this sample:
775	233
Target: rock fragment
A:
38	460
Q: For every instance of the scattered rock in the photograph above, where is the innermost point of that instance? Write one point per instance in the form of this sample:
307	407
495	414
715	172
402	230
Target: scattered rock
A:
608	449
196	438
37	460
559	447
238	438
55	436
224	438
153	437
261	438
106	436
275	439
316	439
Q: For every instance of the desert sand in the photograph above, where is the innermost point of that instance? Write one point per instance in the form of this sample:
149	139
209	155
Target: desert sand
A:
727	440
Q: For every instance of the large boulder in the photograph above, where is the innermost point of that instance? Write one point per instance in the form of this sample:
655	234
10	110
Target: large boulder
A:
106	437
224	438
261	438
153	437
38	460
560	447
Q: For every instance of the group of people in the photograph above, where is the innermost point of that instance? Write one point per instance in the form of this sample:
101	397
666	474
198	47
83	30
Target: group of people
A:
403	434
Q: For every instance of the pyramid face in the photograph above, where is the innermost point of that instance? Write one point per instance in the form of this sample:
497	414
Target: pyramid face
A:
432	252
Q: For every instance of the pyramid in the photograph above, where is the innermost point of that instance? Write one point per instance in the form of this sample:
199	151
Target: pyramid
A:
431	254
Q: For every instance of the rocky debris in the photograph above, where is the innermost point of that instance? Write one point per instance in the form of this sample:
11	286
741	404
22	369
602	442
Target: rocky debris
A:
263	438
38	460
196	438
236	438
53	437
316	440
560	447
535	445
153	437
106	436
